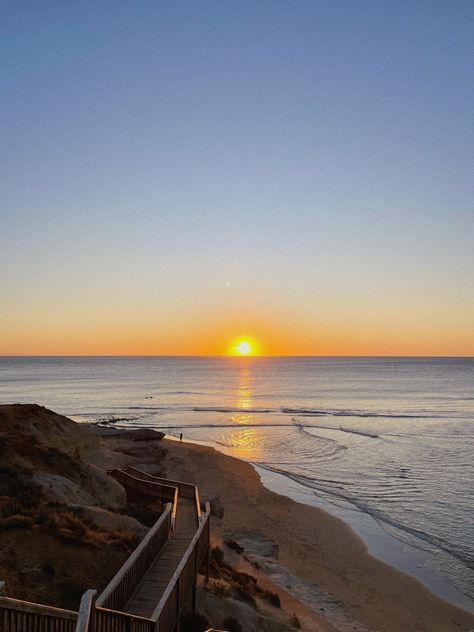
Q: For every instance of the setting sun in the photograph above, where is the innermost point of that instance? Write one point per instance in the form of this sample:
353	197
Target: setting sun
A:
244	347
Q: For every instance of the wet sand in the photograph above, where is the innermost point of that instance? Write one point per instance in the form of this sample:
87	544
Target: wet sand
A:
315	547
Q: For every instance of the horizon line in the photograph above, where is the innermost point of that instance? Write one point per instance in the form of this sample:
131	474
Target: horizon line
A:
224	355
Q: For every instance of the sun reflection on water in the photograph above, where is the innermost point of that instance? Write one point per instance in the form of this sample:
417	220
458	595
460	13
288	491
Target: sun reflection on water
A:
244	395
246	442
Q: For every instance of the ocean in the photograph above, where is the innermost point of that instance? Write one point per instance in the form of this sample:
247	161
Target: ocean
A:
384	443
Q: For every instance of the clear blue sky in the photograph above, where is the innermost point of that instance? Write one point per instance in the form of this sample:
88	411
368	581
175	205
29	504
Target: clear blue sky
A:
172	169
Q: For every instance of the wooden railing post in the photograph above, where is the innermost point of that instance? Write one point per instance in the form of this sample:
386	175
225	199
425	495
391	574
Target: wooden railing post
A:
193	598
208	555
177	603
86	615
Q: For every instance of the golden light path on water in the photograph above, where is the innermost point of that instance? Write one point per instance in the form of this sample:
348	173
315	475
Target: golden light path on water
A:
247	441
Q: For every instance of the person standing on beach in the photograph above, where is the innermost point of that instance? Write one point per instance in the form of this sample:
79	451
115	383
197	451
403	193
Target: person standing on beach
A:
181	436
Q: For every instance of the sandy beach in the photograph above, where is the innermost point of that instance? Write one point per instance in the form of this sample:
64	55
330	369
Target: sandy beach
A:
315	547
319	568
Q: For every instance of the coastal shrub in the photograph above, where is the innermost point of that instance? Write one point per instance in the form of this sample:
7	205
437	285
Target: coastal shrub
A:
9	507
69	526
296	622
232	544
144	510
17	521
272	598
243	595
66	525
216	562
41	515
244	579
217	555
231	625
221	590
194	622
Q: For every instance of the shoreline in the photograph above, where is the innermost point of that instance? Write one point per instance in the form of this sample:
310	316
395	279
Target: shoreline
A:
382	545
315	547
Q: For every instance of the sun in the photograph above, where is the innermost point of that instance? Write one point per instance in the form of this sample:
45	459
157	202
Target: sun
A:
244	347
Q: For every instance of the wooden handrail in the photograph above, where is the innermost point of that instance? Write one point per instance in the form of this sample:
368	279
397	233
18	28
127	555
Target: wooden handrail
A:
174	509
104	615
115	621
123	584
135	480
97	619
37	608
23	616
198	504
86	613
143	485
167	611
186	490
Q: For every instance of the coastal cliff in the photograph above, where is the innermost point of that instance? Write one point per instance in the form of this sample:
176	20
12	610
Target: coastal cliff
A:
61	526
66	526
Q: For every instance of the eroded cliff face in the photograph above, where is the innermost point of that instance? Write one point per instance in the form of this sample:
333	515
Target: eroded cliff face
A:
62	522
48	454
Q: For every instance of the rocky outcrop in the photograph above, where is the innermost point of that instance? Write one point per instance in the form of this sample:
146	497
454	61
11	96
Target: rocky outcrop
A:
217	508
47	428
256	543
44	453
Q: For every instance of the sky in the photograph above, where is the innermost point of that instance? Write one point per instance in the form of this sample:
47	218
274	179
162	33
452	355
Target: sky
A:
174	175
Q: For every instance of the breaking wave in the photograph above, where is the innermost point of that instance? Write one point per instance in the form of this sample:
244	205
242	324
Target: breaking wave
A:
312	412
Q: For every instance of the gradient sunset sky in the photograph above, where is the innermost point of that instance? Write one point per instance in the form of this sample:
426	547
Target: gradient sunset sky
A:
177	174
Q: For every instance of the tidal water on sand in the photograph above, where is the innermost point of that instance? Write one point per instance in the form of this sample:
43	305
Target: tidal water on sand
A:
385	443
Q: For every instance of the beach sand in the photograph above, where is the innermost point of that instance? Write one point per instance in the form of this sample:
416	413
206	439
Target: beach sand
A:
315	547
319	567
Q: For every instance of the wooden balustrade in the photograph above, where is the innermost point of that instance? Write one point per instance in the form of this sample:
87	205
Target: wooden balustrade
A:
185	490
161	489
104	615
122	586
86	613
23	616
168	610
113	621
198	504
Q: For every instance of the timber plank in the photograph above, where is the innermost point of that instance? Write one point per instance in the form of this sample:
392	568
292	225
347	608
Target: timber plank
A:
156	580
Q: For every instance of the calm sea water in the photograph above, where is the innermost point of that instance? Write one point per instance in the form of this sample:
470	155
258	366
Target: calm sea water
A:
389	439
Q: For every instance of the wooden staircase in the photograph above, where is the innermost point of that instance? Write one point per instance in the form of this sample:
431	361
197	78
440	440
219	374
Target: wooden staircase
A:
151	589
153	585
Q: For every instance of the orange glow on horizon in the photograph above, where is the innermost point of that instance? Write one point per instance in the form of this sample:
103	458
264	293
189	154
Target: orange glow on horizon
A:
244	346
269	332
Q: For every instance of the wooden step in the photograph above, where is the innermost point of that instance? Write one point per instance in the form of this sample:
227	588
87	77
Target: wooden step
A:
148	593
